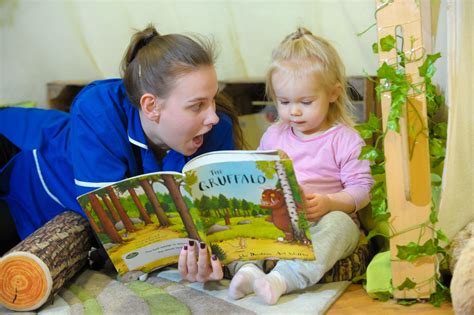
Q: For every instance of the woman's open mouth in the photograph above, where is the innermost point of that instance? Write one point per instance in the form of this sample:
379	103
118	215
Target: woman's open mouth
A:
198	140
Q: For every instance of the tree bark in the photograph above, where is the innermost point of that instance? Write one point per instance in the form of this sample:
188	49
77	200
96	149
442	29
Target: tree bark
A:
121	211
150	193
183	210
136	200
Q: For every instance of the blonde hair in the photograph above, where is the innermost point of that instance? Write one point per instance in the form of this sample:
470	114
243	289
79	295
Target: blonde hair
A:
303	52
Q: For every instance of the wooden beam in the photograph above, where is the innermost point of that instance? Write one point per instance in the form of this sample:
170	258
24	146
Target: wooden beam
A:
407	153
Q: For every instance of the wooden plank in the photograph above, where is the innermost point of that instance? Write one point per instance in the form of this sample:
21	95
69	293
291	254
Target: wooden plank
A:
407	156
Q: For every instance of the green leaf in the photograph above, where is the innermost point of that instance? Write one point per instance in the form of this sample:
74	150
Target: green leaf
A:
441	236
386	72
383	296
407	284
440	130
437	148
427	69
406	302
368	152
377	169
412	251
364	132
441	294
433	216
388	43
435	179
375	48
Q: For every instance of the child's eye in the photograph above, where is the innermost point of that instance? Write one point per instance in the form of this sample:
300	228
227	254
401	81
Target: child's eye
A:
307	102
284	102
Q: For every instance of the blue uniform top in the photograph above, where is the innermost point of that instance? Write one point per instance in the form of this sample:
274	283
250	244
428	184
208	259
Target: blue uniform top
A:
65	155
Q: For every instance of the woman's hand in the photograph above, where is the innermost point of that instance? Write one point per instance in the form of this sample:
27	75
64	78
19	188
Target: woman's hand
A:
198	270
317	206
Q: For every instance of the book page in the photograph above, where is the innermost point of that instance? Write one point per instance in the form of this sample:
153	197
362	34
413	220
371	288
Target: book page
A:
229	156
250	209
142	222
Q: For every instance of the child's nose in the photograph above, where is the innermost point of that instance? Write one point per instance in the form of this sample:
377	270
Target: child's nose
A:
295	110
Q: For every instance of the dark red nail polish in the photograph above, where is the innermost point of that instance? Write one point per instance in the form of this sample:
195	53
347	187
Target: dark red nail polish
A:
202	245
191	243
213	257
185	247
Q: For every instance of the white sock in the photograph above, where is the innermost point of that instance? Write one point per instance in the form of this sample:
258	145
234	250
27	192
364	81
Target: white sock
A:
242	281
270	287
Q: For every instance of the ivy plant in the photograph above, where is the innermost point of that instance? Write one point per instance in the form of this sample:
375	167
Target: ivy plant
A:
393	78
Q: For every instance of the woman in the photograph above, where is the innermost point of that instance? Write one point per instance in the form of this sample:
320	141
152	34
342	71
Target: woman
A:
161	114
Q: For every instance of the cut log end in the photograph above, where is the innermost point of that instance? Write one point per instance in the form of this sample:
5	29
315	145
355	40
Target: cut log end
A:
25	281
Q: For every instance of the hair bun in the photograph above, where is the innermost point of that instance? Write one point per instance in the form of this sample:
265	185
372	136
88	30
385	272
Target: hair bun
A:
300	32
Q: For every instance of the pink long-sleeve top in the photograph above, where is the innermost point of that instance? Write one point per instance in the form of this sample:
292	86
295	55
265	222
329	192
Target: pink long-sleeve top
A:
326	163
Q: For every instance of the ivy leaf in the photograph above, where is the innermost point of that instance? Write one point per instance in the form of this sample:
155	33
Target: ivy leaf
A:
435	179
387	43
383	296
407	284
406	302
373	122
364	132
437	149
386	72
433	216
440	295
368	152
441	236
379	212
375	48
427	69
412	251
440	130
377	169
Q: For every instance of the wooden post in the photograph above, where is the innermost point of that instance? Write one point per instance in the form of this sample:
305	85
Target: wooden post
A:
407	153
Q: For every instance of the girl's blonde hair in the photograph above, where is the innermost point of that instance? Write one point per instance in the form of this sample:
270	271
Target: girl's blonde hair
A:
303	52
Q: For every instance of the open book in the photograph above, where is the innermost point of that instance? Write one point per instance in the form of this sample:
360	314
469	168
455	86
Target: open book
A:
245	205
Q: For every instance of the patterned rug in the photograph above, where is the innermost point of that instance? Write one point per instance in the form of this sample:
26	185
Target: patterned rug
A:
164	292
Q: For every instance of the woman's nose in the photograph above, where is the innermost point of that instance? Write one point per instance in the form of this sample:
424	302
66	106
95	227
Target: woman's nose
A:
211	116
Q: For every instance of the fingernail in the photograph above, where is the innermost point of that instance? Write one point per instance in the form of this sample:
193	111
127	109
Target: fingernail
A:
213	257
191	243
202	245
185	247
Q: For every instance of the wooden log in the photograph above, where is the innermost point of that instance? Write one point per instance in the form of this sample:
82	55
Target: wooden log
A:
33	271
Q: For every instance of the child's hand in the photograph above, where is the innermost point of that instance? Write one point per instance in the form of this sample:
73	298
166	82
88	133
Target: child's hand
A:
317	206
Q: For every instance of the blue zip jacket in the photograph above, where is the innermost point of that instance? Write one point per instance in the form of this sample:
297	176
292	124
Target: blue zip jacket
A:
64	155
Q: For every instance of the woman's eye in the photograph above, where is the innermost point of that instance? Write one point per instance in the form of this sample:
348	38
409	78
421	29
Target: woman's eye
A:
196	107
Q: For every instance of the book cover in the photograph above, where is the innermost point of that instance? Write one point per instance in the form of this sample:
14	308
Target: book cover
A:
245	205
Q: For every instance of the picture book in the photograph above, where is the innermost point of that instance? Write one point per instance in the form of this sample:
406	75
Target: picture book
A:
246	205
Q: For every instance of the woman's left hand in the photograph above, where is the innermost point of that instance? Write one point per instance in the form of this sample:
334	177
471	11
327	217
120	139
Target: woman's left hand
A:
198	270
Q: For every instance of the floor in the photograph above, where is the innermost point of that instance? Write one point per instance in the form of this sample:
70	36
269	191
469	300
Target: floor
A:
356	301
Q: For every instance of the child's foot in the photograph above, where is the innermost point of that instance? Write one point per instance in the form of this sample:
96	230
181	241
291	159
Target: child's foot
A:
270	287
242	283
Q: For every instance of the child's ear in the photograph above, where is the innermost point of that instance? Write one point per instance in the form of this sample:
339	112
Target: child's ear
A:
150	106
336	92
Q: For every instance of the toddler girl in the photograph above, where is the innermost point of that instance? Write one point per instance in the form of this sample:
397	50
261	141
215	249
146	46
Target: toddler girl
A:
306	81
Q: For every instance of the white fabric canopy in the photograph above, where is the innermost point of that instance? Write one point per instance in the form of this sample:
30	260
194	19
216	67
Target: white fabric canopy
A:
48	40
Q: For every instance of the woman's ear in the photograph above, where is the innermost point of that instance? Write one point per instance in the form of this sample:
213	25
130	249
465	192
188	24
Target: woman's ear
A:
336	92
150	106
